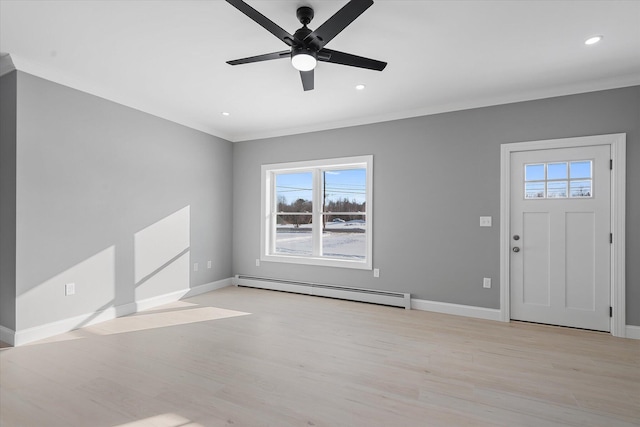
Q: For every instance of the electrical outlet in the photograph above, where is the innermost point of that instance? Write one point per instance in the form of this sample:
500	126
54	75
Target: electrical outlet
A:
69	289
257	262
195	266
486	282
208	264
485	221
376	272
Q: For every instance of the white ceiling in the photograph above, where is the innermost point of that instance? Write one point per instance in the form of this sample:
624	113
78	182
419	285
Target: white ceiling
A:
168	57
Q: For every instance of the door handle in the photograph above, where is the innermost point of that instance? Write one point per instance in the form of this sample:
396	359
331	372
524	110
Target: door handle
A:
516	237
516	249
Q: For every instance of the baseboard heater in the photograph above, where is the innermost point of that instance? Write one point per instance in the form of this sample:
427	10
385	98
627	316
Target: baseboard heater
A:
396	299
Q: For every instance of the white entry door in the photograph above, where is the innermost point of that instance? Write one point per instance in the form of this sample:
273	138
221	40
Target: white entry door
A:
560	236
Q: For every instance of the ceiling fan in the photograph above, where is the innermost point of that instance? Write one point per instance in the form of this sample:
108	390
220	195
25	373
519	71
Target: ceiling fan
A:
306	46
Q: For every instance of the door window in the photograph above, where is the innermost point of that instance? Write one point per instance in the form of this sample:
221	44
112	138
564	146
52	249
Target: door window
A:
559	180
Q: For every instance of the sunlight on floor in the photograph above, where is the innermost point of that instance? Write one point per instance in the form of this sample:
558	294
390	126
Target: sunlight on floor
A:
172	314
161	318
164	420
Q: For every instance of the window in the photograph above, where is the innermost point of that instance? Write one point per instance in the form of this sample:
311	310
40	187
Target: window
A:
318	212
559	180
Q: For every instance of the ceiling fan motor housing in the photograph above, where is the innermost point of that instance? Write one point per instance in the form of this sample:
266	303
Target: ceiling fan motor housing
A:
304	50
300	34
304	14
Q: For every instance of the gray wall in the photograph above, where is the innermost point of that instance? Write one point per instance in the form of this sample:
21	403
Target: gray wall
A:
8	200
88	177
434	177
103	192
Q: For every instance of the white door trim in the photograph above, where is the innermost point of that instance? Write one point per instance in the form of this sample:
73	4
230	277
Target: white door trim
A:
618	199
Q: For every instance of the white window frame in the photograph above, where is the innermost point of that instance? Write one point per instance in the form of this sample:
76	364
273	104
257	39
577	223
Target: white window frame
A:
269	207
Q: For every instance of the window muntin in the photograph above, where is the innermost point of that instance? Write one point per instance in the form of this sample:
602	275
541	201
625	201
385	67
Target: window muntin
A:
318	212
556	180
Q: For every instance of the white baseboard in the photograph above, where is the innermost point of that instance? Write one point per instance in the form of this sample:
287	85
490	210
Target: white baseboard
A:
6	335
18	338
6	66
208	287
148	303
456	309
51	329
633	332
59	327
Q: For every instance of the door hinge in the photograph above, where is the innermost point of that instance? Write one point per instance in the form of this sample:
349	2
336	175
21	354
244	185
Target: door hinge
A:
610	237
610	164
610	311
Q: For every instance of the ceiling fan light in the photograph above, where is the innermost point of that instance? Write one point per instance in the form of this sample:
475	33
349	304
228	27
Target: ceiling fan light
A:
304	60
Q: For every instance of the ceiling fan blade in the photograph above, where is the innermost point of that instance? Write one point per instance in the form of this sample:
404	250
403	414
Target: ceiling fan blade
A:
338	22
335	57
263	21
258	58
307	80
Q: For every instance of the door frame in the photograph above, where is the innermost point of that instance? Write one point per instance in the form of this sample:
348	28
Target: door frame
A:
618	202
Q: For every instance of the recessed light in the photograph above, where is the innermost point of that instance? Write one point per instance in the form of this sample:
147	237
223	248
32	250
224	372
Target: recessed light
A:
225	113
592	40
360	87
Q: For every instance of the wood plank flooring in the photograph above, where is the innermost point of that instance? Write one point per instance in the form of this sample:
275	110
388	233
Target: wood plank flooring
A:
249	357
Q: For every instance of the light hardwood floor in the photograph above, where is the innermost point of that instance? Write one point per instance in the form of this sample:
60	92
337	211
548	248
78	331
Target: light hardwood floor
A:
247	357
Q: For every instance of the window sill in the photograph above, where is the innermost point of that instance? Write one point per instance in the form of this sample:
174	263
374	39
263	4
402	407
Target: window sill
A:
318	261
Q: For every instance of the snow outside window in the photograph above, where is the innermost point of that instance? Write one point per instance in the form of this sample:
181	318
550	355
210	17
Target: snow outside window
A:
318	212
